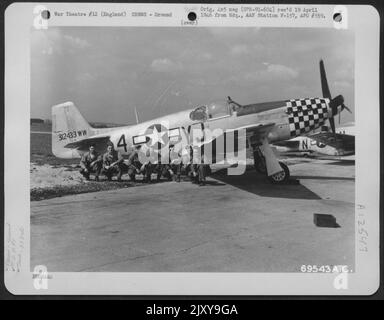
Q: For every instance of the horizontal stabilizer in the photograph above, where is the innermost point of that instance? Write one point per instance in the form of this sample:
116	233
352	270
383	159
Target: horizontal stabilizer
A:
100	143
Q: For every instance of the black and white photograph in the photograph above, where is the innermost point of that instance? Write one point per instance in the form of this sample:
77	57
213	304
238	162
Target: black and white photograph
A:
192	150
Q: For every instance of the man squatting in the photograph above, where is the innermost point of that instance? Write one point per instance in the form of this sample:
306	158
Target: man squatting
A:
113	163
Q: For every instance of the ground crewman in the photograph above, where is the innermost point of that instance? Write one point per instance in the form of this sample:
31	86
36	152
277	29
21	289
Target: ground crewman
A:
199	169
146	167
91	162
176	163
112	163
133	164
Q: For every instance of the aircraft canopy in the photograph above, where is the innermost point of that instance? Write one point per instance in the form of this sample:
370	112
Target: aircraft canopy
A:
215	109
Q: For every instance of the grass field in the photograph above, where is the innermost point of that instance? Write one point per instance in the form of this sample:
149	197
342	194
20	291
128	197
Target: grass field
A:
41	151
41	155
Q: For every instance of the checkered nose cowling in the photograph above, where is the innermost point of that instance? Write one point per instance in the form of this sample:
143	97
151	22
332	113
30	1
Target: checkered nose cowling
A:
305	115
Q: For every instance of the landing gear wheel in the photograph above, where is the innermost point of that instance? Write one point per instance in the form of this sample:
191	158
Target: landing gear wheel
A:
280	177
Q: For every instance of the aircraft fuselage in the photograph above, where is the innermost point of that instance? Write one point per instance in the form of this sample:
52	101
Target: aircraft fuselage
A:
292	118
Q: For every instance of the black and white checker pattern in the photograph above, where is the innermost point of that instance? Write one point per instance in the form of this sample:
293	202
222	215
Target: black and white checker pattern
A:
306	114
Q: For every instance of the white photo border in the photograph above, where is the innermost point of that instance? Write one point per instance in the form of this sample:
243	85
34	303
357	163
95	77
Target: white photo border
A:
364	20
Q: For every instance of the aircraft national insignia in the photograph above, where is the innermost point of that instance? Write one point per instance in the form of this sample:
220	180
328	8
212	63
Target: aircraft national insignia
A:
158	135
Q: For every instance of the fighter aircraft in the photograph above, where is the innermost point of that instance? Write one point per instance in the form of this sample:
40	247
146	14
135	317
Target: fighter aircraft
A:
264	123
339	144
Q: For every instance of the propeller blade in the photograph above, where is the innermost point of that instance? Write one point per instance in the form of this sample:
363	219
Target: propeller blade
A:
332	123
324	82
346	108
335	102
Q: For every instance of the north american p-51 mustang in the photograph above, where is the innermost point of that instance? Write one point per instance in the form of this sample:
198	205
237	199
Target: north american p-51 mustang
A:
264	123
319	144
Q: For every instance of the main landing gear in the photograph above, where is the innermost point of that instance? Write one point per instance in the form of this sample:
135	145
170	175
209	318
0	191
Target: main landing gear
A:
276	171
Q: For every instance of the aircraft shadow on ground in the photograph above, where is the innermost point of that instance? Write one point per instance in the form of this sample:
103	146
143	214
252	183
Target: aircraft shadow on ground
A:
323	178
255	183
213	183
342	163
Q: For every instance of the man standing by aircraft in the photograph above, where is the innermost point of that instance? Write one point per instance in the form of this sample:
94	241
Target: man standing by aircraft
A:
112	163
202	172
91	163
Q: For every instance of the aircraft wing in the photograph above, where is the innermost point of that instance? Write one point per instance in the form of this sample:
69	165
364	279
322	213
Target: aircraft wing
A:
335	140
292	144
256	133
100	143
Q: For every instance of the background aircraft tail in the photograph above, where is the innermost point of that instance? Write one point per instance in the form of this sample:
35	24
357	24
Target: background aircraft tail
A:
68	126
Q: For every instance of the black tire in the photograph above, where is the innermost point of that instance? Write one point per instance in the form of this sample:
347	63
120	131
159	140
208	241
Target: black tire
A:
281	177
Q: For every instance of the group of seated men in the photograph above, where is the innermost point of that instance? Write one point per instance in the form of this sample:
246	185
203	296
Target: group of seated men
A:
112	163
109	163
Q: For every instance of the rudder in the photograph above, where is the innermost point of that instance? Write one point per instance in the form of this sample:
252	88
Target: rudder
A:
68	125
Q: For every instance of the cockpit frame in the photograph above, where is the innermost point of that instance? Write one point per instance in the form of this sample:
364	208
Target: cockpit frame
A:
214	111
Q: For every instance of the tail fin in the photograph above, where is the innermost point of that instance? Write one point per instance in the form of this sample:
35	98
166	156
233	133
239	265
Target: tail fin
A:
68	125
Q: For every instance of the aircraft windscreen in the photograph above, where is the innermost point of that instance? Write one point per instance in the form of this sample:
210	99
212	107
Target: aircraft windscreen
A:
214	110
218	109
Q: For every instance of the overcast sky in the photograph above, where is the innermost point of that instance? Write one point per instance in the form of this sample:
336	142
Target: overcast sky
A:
107	72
